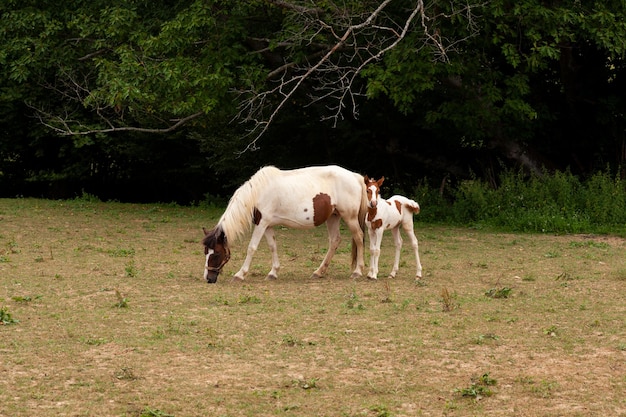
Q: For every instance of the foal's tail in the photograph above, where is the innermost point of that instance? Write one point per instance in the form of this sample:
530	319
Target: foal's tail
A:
362	214
412	206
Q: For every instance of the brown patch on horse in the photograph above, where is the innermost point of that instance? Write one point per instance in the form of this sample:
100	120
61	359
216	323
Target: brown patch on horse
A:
322	208
414	209
256	216
376	224
399	206
371	213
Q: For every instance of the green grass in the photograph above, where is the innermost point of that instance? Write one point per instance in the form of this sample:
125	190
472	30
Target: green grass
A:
113	318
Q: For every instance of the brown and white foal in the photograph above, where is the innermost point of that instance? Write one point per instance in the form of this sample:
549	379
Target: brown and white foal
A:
389	214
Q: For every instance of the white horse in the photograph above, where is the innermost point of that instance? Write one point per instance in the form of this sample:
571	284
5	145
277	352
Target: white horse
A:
301	198
389	214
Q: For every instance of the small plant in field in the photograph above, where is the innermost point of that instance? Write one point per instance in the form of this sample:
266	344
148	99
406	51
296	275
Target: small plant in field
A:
122	302
6	318
502	292
353	302
479	388
153	412
485	337
307	383
131	269
25	298
564	276
550	331
380	411
543	389
387	287
121	252
126	374
448	300
289	340
249	299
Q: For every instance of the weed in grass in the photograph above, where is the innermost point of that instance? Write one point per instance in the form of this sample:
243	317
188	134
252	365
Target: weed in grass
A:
249	299
306	384
543	389
122	302
482	338
95	341
6	318
387	291
121	253
353	302
380	411
502	292
153	412
131	269
479	388
25	298
564	276
448	300
551	331
126	374
289	340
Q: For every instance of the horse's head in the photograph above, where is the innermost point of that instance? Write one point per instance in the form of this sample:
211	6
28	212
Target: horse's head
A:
373	190
216	251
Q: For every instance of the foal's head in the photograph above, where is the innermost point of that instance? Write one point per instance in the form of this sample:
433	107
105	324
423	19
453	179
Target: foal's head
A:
216	251
373	190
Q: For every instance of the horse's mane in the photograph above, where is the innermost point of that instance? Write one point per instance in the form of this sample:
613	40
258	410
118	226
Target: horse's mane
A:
237	219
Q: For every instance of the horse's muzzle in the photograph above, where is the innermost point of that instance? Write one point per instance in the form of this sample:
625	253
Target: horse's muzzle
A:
211	276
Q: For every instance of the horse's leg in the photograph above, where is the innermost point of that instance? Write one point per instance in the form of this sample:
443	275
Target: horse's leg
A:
408	228
334	238
357	240
375	239
257	234
271	241
397	241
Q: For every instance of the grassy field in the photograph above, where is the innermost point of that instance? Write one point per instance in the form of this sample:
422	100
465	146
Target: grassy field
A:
104	312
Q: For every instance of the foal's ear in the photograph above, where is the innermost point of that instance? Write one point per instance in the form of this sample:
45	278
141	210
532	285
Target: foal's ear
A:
206	232
366	179
380	181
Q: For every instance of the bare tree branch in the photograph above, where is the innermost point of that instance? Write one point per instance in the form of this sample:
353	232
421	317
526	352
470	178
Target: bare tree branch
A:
331	73
63	125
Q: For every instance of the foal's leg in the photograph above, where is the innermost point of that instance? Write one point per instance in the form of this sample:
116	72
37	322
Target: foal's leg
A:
397	241
408	228
376	237
257	234
334	238
271	242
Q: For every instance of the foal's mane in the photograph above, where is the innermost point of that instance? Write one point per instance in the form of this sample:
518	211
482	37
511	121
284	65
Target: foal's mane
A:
237	219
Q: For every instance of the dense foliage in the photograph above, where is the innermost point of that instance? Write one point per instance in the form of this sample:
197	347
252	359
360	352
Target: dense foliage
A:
139	100
549	203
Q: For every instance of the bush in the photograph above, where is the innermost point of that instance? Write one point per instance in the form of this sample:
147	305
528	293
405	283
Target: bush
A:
548	203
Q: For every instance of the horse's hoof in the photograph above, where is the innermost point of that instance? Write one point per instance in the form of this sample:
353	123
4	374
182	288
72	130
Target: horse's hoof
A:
271	277
391	276
356	275
372	278
237	279
316	276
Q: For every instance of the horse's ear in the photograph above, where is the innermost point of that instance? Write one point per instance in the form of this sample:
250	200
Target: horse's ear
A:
366	179
380	181
206	232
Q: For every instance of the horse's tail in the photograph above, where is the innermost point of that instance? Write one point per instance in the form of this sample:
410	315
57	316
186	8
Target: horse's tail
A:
362	214
412	206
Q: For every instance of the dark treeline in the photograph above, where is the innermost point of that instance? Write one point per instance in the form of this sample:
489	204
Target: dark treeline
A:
166	101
